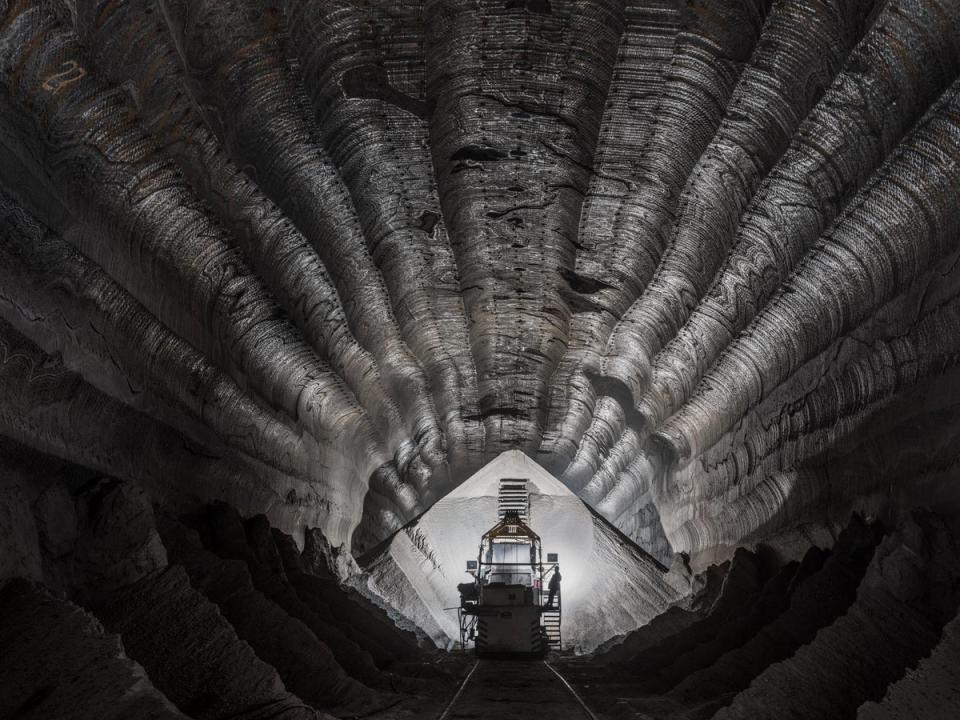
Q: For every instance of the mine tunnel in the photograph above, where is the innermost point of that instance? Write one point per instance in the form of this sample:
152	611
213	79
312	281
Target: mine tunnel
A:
334	333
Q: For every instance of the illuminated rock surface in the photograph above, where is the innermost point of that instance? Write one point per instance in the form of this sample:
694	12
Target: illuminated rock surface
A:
303	267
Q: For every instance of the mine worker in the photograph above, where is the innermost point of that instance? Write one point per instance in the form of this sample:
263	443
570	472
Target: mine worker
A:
554	586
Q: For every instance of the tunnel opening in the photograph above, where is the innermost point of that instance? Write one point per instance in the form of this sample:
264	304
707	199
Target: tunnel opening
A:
609	583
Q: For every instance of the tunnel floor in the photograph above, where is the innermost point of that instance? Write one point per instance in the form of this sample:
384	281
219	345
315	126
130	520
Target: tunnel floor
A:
515	689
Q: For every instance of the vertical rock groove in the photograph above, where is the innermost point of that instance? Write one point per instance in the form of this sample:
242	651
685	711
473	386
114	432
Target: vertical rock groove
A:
516	113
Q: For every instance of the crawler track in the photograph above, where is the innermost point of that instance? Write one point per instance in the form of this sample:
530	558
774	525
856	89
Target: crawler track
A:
509	689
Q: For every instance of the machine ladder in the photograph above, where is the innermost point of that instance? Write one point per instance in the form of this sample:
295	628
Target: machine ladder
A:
550	618
551	623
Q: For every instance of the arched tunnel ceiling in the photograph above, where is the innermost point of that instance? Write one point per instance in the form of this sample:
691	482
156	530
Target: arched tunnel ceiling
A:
325	259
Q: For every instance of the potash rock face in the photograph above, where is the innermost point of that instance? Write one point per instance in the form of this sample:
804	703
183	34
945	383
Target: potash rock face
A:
323	260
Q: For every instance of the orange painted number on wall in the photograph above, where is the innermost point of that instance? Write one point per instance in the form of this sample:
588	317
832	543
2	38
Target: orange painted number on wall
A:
71	72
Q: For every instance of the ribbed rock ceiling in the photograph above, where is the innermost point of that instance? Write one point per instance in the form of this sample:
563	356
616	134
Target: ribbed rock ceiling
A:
324	259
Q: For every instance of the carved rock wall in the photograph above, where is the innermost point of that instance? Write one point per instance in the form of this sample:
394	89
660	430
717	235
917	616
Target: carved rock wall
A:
323	260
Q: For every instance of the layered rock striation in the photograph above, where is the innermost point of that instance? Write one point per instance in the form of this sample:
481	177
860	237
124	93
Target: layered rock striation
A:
684	255
320	262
